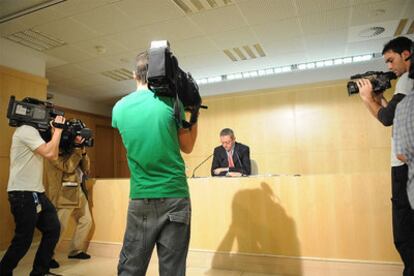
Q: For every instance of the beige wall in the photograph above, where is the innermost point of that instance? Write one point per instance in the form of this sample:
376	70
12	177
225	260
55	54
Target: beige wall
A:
21	85
312	129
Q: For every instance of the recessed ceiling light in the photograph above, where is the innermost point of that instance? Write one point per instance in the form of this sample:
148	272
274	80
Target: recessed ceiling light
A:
371	32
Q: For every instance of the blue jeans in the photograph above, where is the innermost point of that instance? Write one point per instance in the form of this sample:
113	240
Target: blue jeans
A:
162	222
24	206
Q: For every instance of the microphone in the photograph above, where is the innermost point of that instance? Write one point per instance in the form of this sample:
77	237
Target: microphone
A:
199	165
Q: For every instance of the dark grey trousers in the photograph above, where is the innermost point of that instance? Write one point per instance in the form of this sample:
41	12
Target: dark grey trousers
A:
162	222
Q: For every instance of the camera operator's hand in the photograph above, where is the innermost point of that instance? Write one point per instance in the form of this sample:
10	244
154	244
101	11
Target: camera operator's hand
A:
79	140
58	123
365	89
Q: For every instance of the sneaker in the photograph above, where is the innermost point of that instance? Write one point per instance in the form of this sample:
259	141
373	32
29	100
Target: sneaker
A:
53	264
82	256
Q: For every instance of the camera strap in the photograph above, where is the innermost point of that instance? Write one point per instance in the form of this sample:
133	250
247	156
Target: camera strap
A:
58	125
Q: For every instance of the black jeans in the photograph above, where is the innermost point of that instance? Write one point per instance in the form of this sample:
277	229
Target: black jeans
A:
402	218
26	216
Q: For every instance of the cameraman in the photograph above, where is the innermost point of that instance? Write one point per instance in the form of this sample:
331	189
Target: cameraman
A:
396	53
159	211
30	207
67	191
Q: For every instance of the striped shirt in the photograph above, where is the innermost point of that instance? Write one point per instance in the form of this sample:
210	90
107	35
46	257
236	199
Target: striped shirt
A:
403	134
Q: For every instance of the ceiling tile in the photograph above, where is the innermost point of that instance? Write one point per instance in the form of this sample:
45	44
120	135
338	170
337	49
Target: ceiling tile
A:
278	30
132	40
106	20
234	38
100	47
262	11
316	6
66	71
68	30
173	29
96	65
219	19
378	12
325	21
69	54
193	46
145	12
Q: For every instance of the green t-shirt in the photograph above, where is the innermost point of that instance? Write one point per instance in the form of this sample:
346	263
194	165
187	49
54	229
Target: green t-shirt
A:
150	135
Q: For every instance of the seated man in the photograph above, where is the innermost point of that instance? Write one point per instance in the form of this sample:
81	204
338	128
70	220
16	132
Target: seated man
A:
231	158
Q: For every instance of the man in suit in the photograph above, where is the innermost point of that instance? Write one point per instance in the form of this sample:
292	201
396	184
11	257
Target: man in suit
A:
231	158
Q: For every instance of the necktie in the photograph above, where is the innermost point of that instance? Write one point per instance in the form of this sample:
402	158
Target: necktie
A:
230	158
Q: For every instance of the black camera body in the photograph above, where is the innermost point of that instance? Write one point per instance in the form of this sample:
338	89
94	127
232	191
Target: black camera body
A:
166	78
71	129
380	81
33	112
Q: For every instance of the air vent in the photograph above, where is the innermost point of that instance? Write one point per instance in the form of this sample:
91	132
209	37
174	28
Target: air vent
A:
371	32
401	26
245	52
194	6
411	28
121	74
36	40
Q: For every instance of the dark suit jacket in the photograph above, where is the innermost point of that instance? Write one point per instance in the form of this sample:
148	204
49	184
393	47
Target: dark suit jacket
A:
241	159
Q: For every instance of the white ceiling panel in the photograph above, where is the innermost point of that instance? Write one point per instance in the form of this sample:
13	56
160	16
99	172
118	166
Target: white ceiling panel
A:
262	11
65	72
378	12
13	26
325	21
173	29
107	19
68	30
278	30
219	20
100	47
96	65
74	7
234	38
146	12
289	45
133	39
193	46
69	54
316	6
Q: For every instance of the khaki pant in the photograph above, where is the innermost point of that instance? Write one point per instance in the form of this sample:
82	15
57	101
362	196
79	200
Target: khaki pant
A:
83	220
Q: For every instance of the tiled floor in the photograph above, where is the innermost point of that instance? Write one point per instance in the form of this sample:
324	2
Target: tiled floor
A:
107	267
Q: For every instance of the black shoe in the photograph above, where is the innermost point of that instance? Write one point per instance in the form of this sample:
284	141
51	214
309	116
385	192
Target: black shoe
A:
53	264
82	256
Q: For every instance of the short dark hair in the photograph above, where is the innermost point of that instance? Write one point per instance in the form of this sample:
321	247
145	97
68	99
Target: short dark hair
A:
398	45
227	131
141	68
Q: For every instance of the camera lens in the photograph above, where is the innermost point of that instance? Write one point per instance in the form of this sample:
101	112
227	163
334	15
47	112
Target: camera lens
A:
352	88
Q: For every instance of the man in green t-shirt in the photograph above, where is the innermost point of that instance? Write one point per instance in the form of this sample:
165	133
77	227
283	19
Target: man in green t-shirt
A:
159	211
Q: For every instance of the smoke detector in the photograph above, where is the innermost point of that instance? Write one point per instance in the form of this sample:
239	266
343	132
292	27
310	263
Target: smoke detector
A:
371	32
